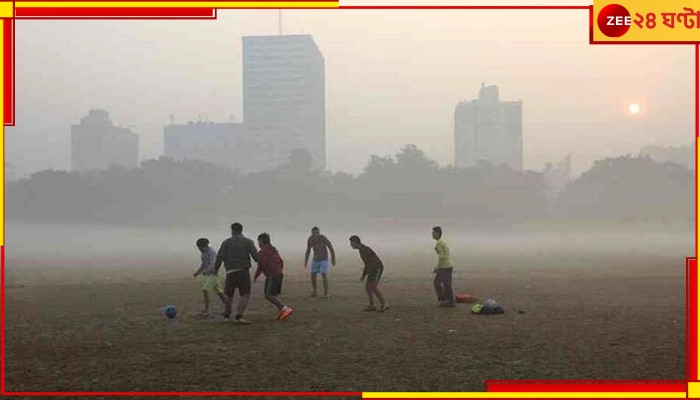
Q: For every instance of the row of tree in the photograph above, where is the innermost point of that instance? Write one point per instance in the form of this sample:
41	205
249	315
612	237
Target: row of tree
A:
408	185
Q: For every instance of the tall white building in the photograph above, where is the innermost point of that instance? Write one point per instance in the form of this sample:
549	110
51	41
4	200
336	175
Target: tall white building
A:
489	130
284	95
96	144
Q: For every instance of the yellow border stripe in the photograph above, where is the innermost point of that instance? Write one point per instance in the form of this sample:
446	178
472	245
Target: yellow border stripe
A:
179	4
526	395
693	390
7	9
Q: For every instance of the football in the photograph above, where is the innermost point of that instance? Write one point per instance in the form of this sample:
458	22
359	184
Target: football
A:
170	312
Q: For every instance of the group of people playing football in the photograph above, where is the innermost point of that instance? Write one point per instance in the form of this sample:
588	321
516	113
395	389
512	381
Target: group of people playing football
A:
236	253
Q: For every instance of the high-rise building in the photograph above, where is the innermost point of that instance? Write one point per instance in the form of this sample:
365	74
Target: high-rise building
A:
489	130
205	141
96	144
234	145
284	95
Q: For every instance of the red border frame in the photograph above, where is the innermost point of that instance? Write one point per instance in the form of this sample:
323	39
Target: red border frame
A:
691	320
115	13
489	385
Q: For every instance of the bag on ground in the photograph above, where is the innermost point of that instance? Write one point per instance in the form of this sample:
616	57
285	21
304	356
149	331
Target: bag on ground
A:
488	307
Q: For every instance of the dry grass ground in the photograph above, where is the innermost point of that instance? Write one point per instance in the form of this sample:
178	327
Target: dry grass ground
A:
77	327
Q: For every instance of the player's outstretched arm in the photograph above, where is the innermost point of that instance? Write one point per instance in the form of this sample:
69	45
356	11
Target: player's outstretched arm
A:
262	260
306	256
332	250
199	271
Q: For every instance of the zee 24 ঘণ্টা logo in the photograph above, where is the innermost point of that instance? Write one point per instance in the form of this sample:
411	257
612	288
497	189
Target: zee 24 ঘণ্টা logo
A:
614	20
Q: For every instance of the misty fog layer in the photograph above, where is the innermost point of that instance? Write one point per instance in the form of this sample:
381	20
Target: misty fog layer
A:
408	190
93	245
618	205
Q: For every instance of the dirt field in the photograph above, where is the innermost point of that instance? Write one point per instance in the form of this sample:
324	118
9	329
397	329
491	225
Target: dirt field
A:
87	327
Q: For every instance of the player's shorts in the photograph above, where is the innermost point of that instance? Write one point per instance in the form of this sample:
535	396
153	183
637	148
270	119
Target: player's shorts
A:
375	276
211	282
240	280
319	267
273	285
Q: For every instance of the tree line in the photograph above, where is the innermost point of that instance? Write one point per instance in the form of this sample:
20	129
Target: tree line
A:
409	185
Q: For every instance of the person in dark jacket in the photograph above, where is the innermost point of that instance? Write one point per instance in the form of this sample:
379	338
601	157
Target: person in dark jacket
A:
235	254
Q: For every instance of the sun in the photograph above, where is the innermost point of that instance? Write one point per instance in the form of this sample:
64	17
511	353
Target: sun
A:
634	108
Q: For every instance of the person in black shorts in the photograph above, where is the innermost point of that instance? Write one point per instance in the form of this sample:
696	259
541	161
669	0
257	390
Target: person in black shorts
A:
235	253
270	264
372	272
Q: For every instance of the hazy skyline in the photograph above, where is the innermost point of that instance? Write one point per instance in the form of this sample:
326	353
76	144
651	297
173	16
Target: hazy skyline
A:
393	77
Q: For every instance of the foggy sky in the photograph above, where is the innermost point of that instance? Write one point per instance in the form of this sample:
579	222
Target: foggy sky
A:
393	77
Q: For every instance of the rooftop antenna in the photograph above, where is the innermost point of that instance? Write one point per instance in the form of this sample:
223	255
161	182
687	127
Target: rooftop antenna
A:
172	120
279	21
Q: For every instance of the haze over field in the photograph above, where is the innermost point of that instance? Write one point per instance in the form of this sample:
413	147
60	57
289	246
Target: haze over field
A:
93	246
392	78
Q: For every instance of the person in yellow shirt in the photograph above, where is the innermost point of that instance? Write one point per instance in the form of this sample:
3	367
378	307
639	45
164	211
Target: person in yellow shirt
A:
443	271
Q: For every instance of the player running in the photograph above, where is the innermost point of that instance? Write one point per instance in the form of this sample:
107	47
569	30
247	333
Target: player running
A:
210	279
270	263
235	253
